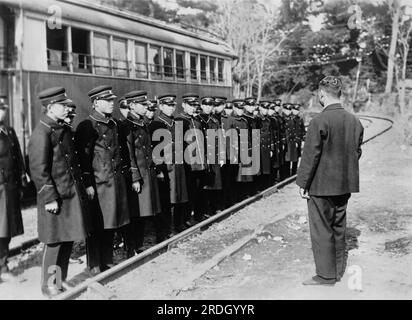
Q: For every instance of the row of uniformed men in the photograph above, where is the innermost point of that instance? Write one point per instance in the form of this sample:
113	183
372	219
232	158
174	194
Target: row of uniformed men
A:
102	177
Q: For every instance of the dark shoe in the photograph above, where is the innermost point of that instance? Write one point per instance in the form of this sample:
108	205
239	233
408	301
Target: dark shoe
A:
318	281
94	271
107	267
139	250
51	292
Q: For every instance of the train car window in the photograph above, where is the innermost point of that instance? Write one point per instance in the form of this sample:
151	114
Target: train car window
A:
203	74
101	46
140	59
168	62
120	65
180	65
81	51
220	70
212	68
57	55
154	62
193	66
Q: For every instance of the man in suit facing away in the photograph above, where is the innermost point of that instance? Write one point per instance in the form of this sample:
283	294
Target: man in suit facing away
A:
327	175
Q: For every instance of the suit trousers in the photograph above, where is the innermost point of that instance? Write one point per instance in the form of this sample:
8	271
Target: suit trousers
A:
4	254
327	223
55	264
99	249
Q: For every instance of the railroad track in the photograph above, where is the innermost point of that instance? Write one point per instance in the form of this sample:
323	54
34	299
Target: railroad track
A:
98	282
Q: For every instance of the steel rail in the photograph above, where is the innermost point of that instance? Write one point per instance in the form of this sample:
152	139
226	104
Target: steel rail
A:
132	263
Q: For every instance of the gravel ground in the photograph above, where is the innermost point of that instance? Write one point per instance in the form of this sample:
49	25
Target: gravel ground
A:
273	264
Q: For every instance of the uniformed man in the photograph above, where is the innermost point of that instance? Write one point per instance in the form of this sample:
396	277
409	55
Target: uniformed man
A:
210	128
300	133
229	170
151	110
249	115
61	196
123	108
105	170
171	171
266	146
195	166
275	131
12	180
281	121
144	198
237	148
290	144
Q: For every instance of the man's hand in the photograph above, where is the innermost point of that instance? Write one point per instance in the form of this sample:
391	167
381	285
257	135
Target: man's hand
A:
90	193
304	193
136	187
52	207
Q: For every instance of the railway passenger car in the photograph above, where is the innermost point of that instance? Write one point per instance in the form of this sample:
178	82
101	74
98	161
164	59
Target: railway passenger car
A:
79	45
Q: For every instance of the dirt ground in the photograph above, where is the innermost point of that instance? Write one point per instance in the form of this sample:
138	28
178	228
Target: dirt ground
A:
273	263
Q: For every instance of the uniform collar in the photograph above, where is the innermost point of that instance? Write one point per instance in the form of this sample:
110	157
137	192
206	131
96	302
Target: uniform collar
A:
185	115
166	119
97	116
333	106
249	115
205	117
132	118
3	129
50	123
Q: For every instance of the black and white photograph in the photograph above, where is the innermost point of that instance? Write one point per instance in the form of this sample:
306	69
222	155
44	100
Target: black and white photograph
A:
215	152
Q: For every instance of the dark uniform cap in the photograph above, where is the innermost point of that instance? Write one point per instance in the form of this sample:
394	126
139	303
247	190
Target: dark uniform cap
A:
123	103
238	103
209	101
136	96
264	104
101	93
229	105
191	98
287	106
54	95
3	104
278	102
272	106
220	100
167	99
296	106
152	106
251	101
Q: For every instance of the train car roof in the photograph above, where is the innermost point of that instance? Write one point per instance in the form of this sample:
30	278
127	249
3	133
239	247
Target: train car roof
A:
125	21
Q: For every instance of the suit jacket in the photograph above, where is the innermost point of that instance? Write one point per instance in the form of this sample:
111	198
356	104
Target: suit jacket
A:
330	160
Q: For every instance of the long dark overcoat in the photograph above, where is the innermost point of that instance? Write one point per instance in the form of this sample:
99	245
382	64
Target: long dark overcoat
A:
104	167
11	174
330	160
291	139
239	123
300	132
213	137
56	173
143	169
266	144
173	172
